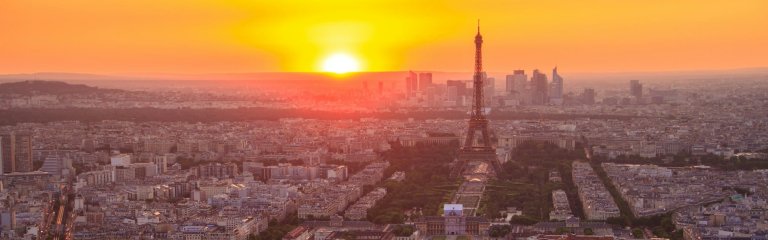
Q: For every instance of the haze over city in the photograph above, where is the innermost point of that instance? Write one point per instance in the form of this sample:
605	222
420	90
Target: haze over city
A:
383	120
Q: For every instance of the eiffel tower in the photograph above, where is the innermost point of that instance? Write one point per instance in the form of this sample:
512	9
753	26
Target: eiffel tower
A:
480	149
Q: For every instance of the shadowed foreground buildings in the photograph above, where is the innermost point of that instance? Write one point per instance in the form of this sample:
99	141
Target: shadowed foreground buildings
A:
597	201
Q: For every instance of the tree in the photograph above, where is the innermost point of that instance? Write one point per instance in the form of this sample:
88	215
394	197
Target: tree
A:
622	221
637	233
589	231
497	231
523	220
270	162
425	187
404	230
296	162
528	173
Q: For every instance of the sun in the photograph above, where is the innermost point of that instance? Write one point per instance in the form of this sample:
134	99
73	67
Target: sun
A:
340	63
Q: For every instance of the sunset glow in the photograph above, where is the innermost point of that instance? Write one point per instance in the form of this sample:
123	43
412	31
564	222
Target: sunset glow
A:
206	36
341	63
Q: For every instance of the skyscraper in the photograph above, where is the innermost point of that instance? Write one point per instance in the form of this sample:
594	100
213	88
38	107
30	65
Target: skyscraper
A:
410	84
456	90
161	162
556	88
636	89
516	82
489	90
588	96
16	152
539	88
425	81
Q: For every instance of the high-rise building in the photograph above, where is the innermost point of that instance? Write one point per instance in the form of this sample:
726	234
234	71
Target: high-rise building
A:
410	84
636	89
509	86
516	82
539	88
16	152
588	96
456	89
161	162
425	81
381	87
556	88
489	90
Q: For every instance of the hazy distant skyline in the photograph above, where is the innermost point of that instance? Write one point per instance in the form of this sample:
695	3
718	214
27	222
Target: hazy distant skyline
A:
206	36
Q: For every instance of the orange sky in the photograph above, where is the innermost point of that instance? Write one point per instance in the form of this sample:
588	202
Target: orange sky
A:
216	36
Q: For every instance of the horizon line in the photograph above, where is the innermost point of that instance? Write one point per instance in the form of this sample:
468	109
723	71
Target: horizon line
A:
149	76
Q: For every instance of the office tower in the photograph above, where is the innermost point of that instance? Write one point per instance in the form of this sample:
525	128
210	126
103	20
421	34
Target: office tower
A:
461	86
365	86
516	82
556	88
161	162
636	89
517	87
511	79
489	90
451	94
588	96
381	87
520	80
425	81
431	95
539	88
16	152
410	83
457	89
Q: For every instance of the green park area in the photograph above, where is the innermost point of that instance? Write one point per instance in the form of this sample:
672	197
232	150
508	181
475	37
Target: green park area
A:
523	182
427	184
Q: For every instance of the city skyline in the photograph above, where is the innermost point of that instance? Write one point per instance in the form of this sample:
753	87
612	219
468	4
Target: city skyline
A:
342	120
149	37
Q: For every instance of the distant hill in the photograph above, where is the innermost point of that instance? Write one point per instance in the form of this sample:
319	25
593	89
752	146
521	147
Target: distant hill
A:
49	87
59	76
